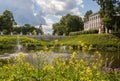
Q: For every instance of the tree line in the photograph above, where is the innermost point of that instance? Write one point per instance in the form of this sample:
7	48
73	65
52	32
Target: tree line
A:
8	25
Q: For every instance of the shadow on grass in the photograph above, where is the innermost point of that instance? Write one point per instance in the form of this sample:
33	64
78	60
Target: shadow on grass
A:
117	34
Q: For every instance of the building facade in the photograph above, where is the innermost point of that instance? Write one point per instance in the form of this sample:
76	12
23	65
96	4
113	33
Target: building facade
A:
94	22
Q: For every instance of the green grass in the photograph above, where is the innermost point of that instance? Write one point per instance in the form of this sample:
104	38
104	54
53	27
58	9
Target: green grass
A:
11	41
97	40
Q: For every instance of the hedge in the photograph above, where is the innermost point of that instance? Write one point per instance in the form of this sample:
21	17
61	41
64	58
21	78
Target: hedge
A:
84	32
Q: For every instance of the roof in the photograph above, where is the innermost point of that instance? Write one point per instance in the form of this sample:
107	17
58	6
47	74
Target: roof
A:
94	14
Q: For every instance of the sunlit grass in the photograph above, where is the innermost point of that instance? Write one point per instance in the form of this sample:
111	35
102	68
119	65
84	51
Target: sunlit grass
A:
7	42
97	40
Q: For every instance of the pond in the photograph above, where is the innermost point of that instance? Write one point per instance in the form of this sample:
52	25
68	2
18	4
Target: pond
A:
112	56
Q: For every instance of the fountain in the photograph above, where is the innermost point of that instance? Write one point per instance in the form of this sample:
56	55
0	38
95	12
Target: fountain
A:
19	47
64	48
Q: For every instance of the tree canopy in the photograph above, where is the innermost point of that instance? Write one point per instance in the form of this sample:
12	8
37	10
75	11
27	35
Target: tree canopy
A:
68	23
108	9
26	29
6	21
87	14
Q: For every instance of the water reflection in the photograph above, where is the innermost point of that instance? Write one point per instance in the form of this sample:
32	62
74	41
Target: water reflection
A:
112	56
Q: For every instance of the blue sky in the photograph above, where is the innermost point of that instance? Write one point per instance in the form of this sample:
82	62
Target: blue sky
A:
89	5
45	12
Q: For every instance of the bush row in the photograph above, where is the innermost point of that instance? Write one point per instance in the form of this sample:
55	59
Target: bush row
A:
84	32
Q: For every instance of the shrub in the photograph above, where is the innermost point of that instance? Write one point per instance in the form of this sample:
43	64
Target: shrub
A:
84	32
60	69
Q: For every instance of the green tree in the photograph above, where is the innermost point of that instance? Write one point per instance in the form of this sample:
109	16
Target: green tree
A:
107	12
26	29
87	14
58	29
7	21
118	7
0	23
68	23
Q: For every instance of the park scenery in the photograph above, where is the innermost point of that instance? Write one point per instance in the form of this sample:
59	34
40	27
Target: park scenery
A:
74	48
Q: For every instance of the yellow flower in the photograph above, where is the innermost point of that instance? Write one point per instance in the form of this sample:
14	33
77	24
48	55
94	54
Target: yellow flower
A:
82	61
88	70
70	47
98	73
71	62
94	67
90	47
73	55
97	52
81	73
80	42
102	80
5	67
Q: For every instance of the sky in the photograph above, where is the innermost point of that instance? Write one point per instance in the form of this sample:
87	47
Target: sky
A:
45	12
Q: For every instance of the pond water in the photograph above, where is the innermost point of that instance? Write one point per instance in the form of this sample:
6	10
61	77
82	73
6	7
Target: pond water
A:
112	56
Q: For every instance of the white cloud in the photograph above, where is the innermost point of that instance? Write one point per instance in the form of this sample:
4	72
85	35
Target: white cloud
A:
82	6
79	2
23	11
58	7
47	29
37	12
75	11
49	21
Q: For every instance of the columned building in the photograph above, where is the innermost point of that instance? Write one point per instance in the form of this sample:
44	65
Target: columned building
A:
94	22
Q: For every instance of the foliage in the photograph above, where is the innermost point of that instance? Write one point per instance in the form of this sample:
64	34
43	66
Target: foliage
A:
6	21
8	25
118	7
117	34
84	32
68	23
38	67
26	29
108	12
87	14
97	40
59	29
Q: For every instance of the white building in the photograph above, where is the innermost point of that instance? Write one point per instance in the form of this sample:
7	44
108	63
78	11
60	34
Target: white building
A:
94	22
